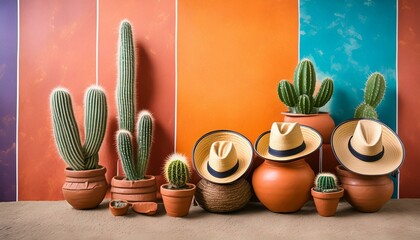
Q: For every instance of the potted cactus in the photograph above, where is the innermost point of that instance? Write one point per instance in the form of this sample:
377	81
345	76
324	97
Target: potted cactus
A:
85	185
374	93
135	186
326	194
177	194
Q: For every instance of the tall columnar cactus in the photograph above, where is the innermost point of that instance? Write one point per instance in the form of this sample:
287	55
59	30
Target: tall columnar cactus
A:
134	162
177	171
299	96
66	132
326	182
374	93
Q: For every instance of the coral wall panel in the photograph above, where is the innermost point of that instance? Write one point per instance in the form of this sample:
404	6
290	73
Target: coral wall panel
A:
231	56
57	48
8	80
408	94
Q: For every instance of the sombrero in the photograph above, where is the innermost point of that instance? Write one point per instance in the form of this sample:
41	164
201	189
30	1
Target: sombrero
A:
222	156
367	147
287	142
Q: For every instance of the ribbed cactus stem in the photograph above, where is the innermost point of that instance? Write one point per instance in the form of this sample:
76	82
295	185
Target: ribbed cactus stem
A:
365	111
287	93
177	171
144	141
126	153
126	77
326	182
305	104
66	132
324	94
375	89
304	78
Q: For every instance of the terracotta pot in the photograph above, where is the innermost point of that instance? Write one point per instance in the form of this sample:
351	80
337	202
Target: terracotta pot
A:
118	207
85	189
143	190
365	193
326	202
177	202
283	186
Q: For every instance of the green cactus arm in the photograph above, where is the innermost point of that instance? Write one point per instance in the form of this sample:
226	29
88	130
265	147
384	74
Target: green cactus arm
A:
324	94
305	104
364	110
177	171
95	122
304	79
126	77
92	162
375	89
287	93
144	141
126	154
66	132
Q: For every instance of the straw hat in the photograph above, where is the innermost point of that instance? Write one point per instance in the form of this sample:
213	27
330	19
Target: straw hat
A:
367	147
222	156
287	142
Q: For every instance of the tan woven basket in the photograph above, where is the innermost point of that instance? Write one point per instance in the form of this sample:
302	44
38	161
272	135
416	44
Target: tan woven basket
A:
224	198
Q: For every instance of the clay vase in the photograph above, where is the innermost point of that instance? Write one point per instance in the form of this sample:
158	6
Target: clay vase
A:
283	186
365	193
143	190
326	202
118	207
85	189
177	202
223	198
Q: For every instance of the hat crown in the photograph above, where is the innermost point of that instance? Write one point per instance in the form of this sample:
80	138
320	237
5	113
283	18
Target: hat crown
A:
222	156
285	136
367	138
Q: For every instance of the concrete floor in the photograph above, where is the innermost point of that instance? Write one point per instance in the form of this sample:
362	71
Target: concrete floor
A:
399	219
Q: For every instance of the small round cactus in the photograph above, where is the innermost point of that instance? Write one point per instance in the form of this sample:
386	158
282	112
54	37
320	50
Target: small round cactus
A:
177	171
326	182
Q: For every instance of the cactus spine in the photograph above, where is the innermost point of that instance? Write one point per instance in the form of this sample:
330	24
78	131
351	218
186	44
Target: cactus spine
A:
374	93
177	171
66	132
134	163
326	182
299	96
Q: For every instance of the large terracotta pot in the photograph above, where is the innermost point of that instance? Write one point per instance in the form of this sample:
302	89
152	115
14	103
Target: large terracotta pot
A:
177	202
326	202
365	193
85	189
283	186
143	190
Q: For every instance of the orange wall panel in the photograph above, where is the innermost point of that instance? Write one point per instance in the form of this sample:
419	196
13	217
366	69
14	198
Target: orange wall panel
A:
231	56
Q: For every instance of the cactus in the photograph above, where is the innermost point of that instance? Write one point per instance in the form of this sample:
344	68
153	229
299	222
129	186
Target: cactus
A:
374	93
299	96
326	182
177	171
134	163
66	132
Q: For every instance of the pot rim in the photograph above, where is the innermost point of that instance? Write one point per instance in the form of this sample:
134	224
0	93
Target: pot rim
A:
121	181
177	192
328	195
85	173
304	115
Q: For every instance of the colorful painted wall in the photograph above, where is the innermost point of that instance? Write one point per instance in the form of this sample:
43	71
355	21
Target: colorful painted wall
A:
202	65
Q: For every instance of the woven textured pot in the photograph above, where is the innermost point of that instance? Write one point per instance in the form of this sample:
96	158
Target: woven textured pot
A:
143	190
224	198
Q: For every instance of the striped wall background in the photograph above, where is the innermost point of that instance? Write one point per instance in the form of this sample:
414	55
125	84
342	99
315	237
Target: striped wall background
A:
202	65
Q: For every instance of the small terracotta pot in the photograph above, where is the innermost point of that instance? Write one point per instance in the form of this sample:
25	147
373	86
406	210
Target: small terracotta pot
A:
85	189
283	186
365	193
143	190
177	202
119	207
326	202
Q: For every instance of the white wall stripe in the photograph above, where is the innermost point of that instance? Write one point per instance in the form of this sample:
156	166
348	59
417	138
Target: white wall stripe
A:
396	92
97	40
176	73
17	100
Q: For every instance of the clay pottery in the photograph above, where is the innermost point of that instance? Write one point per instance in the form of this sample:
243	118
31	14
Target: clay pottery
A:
147	208
283	186
177	202
143	190
326	202
118	207
85	189
365	193
223	198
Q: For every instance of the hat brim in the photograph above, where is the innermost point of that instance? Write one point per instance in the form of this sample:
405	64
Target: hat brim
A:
312	138
201	152
393	150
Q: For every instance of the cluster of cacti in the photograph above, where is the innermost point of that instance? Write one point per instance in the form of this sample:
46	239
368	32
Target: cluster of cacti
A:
134	164
374	93
326	182
66	132
177	171
299	96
